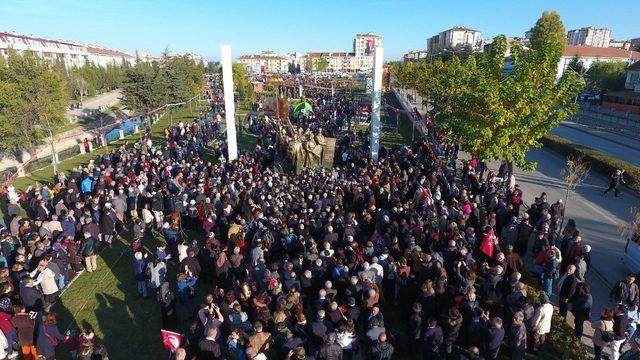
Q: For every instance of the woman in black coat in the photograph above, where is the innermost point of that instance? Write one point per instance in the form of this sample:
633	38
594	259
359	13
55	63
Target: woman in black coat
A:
581	308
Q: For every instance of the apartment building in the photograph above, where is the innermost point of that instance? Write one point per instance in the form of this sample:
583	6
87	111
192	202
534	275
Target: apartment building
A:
454	38
589	36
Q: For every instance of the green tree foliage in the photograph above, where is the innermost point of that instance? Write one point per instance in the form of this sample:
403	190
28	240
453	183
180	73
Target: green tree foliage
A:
320	64
33	96
243	87
493	116
148	86
90	80
607	76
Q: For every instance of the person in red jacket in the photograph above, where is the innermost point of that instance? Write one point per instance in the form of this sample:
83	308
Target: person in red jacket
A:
9	332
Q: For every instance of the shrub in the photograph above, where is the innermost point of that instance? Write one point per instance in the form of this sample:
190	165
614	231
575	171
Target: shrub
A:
599	162
68	153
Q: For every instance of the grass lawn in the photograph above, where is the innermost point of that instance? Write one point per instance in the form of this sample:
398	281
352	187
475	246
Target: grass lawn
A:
106	300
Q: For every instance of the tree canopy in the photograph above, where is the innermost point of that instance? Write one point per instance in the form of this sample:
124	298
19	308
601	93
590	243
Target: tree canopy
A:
607	76
33	96
491	115
147	86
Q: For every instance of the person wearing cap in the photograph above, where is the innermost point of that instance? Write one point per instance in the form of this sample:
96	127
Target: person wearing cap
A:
541	322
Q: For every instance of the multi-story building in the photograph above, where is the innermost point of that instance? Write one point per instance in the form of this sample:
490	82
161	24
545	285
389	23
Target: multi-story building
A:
361	59
335	62
454	38
587	55
415	55
72	54
364	46
589	36
194	57
620	44
266	62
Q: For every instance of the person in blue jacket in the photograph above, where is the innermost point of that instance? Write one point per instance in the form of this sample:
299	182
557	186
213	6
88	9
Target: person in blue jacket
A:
139	267
185	285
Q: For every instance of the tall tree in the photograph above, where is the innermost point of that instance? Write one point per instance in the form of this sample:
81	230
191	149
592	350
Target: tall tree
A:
32	97
493	116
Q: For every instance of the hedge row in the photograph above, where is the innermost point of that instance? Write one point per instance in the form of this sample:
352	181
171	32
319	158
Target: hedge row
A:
599	162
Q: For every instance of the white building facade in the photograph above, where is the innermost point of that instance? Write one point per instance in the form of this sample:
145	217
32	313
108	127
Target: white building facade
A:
72	54
453	38
361	59
266	62
364	46
589	36
588	55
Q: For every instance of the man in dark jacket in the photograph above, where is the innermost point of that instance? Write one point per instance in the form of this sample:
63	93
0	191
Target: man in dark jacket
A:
518	337
432	340
89	252
568	287
208	347
415	325
625	292
495	335
330	350
108	226
382	350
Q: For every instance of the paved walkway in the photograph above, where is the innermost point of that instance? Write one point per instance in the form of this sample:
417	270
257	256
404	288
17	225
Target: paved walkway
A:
100	102
597	217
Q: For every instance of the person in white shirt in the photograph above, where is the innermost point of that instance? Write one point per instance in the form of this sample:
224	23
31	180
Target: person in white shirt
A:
541	321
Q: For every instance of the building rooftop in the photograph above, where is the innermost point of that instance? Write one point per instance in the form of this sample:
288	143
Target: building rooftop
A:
370	35
461	28
6	35
332	53
108	52
596	51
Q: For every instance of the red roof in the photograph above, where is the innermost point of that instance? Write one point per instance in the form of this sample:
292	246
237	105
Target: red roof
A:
599	52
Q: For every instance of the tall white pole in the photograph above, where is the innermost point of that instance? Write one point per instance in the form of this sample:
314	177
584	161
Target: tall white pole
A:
300	90
376	97
229	103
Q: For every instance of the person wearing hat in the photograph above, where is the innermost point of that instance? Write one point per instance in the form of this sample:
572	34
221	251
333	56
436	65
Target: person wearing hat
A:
541	322
451	328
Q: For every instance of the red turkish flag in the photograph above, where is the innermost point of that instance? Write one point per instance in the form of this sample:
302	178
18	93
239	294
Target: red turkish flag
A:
488	243
171	340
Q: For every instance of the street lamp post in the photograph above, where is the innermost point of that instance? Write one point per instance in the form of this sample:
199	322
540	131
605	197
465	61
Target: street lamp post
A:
54	160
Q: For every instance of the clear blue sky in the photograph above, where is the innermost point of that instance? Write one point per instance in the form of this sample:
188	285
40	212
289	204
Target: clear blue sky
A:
250	26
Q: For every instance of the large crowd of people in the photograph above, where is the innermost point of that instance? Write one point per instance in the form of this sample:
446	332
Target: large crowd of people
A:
418	253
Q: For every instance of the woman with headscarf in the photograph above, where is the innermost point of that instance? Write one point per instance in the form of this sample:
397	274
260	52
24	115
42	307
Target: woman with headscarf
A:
167	299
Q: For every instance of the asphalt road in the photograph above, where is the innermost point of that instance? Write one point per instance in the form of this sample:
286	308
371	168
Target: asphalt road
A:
615	145
107	99
598	218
